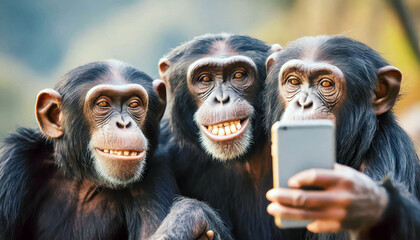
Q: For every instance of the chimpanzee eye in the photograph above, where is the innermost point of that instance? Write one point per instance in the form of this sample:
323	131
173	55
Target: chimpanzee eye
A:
204	78
239	75
293	81
134	104
326	83
103	104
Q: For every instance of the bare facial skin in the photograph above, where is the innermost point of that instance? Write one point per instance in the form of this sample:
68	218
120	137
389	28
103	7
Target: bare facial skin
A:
310	90
118	145
223	89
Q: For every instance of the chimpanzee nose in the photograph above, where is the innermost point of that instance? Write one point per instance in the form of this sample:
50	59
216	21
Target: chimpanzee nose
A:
305	102
222	98
123	124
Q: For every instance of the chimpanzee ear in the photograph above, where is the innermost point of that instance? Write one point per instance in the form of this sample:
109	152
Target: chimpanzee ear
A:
160	89
48	113
387	90
275	48
271	60
163	66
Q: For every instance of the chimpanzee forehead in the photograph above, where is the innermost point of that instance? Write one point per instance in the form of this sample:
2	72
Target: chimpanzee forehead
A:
221	48
219	63
310	68
304	48
118	91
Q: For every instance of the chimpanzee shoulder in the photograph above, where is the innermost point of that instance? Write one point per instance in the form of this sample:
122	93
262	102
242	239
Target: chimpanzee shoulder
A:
25	166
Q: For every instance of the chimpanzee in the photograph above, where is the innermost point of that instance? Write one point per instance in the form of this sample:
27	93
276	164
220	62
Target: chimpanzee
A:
215	133
343	80
89	172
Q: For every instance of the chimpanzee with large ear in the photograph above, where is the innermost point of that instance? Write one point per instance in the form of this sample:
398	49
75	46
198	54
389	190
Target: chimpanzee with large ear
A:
90	173
349	83
217	142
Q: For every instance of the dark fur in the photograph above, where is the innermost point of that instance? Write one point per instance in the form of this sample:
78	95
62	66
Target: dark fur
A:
49	190
228	187
377	142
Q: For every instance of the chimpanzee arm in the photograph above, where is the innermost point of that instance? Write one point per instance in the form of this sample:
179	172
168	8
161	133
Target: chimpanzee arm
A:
191	219
19	177
401	219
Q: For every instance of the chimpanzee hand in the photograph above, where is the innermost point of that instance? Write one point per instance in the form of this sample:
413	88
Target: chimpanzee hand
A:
209	235
350	200
191	219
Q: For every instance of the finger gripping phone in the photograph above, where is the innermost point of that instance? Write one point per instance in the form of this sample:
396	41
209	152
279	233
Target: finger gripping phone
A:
298	146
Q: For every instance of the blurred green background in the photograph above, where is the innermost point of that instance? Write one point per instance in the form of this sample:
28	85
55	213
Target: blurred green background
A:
41	40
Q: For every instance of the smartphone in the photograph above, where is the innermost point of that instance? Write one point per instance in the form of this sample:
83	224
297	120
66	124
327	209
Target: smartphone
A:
297	146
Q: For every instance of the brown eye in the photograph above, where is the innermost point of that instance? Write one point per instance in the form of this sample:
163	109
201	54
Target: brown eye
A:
294	81
205	78
103	104
238	75
134	104
326	83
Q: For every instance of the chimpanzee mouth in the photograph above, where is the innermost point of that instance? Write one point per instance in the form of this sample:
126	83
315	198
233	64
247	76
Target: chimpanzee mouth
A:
227	130
122	154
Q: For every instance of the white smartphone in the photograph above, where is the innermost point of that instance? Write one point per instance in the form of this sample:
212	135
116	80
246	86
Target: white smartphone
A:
297	146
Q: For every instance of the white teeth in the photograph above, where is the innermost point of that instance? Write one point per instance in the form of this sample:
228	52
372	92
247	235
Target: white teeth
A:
233	128
225	128
215	130
120	153
221	132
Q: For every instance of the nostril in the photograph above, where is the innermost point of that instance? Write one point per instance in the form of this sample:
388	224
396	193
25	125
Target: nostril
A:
226	99
123	125
119	125
308	105
222	99
305	105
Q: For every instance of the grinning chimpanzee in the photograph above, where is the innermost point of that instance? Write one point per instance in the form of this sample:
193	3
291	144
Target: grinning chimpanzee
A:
345	81
91	173
217	141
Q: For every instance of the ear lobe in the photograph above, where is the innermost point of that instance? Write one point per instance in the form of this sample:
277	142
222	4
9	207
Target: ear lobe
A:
160	89
163	65
387	90
48	113
270	61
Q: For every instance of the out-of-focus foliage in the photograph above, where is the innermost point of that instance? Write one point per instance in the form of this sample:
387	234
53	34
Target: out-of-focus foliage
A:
41	40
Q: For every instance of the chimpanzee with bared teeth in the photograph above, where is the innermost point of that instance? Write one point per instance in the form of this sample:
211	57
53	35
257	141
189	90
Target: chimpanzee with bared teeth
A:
90	171
215	133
